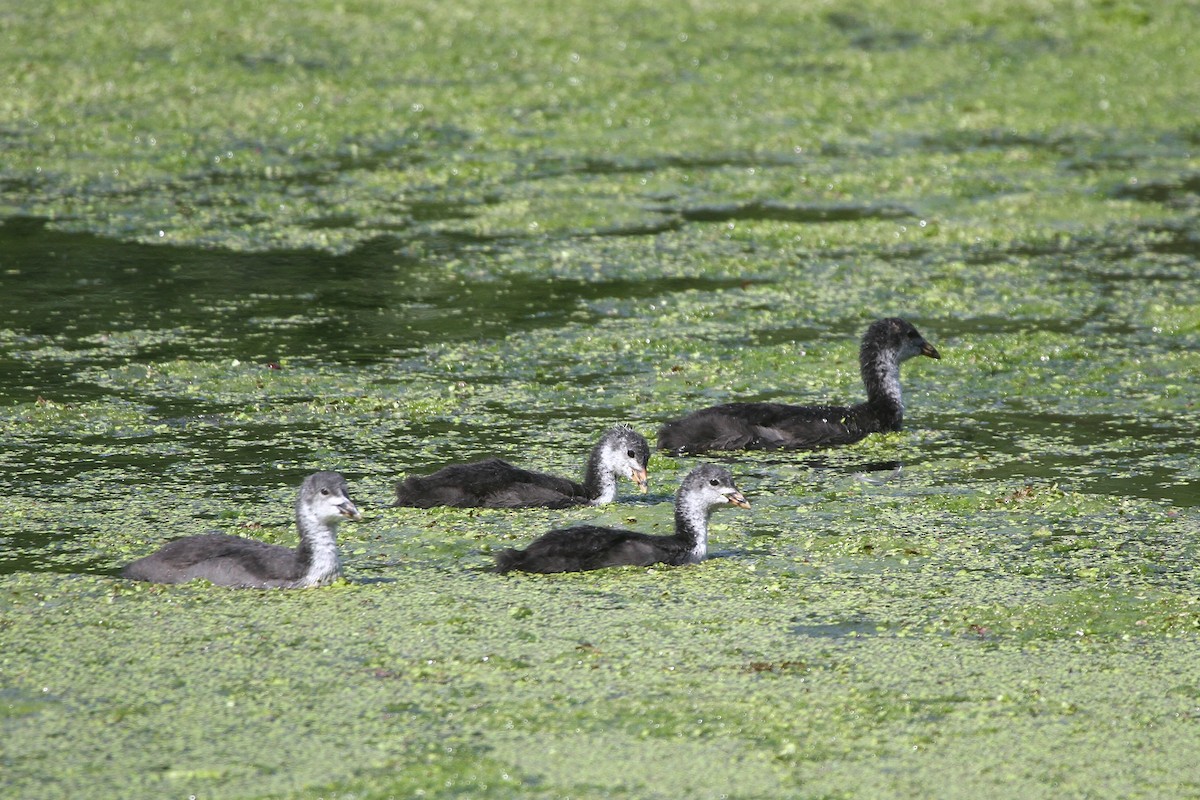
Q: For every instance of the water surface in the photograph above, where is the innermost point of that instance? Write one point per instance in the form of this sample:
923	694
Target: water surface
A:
248	244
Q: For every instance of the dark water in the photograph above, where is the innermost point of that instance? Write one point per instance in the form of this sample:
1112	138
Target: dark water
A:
369	306
75	305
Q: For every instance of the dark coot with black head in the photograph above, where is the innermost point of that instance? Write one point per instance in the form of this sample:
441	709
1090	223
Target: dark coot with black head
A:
586	547
494	483
225	560
762	426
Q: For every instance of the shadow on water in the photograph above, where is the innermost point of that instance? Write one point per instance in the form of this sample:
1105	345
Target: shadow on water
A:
837	630
1182	190
31	556
78	293
1093	453
793	212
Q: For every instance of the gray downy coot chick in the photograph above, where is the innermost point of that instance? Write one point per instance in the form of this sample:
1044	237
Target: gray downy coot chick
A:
587	547
495	483
226	560
886	344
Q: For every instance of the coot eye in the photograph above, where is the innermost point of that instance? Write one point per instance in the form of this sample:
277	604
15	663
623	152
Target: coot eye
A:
714	482
631	454
325	492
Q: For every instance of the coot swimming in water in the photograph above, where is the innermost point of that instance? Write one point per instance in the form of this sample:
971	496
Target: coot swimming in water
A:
587	547
226	560
763	426
494	483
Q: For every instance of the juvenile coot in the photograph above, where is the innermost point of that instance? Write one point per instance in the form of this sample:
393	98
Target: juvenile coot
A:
762	426
587	547
233	561
494	483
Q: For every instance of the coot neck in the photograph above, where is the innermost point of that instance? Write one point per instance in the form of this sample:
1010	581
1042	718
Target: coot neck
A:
317	554
599	480
691	525
881	376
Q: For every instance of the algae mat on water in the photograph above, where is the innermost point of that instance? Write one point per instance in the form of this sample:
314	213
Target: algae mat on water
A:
242	242
329	124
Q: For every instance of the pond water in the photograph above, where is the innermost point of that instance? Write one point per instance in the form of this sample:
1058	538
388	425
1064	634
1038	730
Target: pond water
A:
150	391
513	228
148	362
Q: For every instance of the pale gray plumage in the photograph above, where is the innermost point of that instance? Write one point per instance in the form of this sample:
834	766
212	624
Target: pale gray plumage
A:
225	560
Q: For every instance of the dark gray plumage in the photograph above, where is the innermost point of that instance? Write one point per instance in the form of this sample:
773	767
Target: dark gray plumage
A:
886	344
494	483
587	547
226	560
